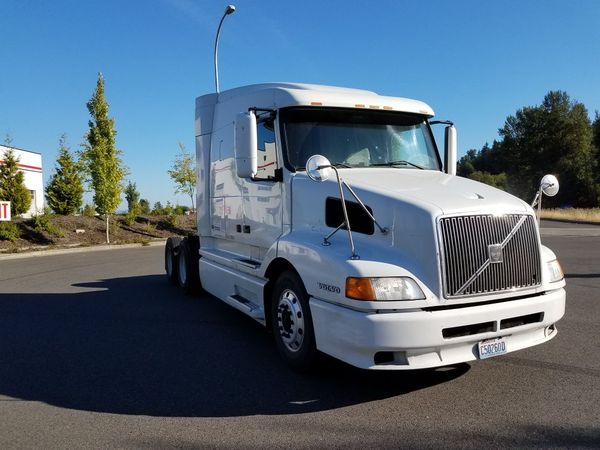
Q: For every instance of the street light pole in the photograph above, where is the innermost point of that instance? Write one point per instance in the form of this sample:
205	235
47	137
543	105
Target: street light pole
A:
229	10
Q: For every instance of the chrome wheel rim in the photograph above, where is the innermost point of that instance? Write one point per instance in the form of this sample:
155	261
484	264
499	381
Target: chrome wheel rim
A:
290	320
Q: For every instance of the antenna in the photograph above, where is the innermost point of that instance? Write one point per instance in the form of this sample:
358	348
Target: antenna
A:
229	10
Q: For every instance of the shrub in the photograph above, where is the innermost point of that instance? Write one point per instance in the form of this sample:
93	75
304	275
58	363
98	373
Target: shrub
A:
172	219
89	211
42	223
9	231
130	218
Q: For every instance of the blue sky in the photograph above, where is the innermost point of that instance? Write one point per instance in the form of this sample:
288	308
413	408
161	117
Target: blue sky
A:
474	62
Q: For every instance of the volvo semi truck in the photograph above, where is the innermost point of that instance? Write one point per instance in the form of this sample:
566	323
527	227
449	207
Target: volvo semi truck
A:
330	216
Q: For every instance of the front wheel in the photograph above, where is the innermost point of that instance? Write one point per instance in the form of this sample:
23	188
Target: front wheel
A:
292	322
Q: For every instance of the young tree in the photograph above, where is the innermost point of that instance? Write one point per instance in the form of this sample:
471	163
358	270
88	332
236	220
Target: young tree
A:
144	206
183	173
64	192
102	158
12	184
133	198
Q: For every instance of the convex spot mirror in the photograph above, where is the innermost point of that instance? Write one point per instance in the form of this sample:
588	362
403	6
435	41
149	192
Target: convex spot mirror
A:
318	168
549	185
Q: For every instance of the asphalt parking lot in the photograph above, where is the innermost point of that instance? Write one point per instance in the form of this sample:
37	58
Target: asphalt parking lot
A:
98	351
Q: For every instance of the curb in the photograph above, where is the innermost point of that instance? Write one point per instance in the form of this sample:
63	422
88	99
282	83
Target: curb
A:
576	222
63	251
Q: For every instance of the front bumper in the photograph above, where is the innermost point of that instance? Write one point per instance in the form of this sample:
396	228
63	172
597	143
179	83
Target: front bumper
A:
414	339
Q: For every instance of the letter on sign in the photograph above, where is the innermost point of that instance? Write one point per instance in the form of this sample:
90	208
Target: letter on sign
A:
4	210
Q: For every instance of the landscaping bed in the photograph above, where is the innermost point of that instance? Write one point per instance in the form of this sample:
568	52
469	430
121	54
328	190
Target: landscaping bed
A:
53	231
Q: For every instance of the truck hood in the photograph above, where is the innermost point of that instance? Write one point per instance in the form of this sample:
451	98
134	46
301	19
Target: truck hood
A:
433	190
408	203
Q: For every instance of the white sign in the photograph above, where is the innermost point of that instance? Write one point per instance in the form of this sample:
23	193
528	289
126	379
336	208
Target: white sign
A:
4	210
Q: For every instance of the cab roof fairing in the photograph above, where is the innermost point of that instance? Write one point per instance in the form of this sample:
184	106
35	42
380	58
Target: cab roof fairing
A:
297	94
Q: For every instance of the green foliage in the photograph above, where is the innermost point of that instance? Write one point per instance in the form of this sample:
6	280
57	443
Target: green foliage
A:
42	223
157	209
88	211
130	217
172	219
101	157
183	173
554	137
168	209
180	210
64	192
495	180
133	198
9	231
144	206
12	184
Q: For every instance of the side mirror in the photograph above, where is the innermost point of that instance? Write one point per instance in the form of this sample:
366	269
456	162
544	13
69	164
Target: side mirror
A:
246	145
549	185
450	147
318	168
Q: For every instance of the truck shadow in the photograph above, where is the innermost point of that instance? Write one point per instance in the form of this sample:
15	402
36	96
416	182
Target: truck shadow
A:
139	346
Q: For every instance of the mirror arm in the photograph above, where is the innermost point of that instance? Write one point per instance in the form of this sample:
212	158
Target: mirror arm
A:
345	211
271	112
384	230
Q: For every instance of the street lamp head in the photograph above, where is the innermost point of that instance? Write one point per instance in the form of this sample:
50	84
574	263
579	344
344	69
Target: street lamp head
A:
230	9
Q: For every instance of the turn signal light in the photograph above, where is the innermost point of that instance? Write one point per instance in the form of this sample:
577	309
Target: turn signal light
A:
360	289
384	288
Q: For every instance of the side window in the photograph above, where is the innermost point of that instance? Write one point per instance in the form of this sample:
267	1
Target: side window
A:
267	152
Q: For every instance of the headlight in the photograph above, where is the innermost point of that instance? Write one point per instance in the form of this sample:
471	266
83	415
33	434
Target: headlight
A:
372	289
555	271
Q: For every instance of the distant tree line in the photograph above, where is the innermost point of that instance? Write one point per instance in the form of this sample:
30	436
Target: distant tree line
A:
555	137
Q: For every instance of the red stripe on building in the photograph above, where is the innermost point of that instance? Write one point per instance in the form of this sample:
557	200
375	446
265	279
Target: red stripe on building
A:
24	166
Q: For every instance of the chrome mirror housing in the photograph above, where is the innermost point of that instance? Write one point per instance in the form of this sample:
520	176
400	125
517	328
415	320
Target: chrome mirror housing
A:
549	185
318	168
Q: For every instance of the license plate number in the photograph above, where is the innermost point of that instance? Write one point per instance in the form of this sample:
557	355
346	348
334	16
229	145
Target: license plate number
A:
493	347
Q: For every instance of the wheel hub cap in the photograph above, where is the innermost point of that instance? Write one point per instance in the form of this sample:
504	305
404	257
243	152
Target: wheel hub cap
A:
290	320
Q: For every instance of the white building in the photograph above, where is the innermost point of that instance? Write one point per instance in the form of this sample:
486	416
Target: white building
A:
30	163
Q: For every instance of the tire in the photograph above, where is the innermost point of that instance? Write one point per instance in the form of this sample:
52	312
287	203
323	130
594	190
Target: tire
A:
292	322
171	249
187	266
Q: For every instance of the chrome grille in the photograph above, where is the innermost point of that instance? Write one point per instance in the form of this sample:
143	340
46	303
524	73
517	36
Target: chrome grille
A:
470	253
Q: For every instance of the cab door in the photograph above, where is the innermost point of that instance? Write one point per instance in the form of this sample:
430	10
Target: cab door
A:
262	203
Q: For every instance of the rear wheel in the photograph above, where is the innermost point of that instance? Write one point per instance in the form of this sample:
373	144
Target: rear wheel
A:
292	322
187	265
171	249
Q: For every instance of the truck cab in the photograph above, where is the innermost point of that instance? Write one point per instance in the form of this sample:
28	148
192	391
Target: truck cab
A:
328	215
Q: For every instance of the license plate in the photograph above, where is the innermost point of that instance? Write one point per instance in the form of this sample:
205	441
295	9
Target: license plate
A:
492	347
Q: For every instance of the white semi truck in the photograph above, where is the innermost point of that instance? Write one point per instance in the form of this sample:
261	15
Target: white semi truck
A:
329	216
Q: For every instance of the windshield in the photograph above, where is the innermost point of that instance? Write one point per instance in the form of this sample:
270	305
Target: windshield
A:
358	138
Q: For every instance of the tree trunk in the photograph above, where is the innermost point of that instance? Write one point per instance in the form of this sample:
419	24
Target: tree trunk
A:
107	238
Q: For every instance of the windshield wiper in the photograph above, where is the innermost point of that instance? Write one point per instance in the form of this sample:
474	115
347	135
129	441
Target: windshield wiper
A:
336	165
400	162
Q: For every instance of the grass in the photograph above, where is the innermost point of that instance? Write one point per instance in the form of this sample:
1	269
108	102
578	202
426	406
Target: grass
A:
573	214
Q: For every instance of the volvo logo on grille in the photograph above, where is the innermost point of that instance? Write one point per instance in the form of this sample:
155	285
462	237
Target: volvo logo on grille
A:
495	253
